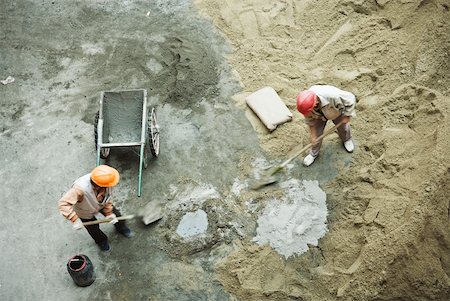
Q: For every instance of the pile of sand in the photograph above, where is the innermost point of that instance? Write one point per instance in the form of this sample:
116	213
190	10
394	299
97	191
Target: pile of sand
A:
389	228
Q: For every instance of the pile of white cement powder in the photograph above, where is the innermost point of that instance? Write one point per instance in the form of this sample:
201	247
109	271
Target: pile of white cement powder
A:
289	224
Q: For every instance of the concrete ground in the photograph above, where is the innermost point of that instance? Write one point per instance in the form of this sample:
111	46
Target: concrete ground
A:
62	54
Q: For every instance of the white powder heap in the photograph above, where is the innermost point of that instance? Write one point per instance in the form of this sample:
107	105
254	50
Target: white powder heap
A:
290	224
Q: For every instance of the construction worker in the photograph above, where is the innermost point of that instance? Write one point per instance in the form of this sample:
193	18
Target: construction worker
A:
321	103
90	195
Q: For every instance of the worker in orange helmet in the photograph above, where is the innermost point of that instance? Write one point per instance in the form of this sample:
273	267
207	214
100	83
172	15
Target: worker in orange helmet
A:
321	103
89	195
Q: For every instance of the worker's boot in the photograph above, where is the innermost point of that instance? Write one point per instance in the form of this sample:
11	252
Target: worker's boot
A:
125	231
308	160
349	146
104	246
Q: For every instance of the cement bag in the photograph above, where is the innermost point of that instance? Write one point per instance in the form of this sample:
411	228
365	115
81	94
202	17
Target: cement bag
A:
269	107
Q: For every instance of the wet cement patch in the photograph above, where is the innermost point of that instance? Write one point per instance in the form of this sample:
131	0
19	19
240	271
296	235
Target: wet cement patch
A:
193	224
332	160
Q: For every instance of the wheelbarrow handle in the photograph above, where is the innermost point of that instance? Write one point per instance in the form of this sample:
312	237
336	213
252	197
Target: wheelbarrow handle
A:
107	220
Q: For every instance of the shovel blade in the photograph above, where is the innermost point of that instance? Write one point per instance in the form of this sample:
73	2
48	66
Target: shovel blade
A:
266	181
267	178
151	213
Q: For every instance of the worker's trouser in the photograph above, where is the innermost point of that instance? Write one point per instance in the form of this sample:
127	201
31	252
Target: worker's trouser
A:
343	131
97	234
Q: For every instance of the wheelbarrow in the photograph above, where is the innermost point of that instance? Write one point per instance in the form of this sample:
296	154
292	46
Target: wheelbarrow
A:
124	120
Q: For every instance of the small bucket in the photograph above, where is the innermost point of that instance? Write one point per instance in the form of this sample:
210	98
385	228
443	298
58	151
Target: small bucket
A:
81	270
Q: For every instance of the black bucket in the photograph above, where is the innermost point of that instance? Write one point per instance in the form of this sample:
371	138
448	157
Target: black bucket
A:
81	270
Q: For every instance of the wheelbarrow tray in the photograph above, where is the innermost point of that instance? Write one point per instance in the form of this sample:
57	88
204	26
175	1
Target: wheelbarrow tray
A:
123	121
124	115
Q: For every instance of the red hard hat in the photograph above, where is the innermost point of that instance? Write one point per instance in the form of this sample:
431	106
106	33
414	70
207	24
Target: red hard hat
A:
306	101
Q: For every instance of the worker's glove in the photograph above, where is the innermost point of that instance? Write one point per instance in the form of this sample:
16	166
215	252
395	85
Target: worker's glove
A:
113	218
78	224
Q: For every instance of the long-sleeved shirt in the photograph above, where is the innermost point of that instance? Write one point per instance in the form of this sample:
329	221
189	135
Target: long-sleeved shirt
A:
333	103
83	201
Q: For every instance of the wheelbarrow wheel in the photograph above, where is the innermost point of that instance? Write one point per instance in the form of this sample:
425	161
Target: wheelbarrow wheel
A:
153	133
104	151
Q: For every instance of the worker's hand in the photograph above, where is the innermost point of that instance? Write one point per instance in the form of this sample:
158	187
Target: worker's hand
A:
78	224
345	119
113	218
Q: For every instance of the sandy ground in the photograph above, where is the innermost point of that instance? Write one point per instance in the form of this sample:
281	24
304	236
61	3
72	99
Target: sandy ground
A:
388	208
389	220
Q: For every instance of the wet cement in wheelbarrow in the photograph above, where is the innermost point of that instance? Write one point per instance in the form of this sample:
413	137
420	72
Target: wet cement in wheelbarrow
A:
123	120
208	148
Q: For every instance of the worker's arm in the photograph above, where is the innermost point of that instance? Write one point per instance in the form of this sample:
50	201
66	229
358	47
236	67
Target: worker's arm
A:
349	102
65	204
108	208
108	211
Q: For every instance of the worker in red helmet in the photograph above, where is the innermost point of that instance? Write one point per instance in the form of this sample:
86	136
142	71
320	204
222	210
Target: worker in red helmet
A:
89	195
321	103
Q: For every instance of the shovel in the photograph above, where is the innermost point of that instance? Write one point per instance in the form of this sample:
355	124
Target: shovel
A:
151	213
107	220
269	178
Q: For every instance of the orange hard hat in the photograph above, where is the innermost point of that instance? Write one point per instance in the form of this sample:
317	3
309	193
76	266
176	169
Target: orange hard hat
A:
306	101
105	176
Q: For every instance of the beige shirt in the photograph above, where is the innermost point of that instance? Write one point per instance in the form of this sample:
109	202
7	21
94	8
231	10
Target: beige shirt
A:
334	102
84	202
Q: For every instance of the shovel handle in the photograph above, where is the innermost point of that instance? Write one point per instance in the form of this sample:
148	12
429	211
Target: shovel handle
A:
326	133
107	220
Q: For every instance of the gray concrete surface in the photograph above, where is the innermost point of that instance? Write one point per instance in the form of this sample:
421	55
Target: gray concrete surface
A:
62	54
